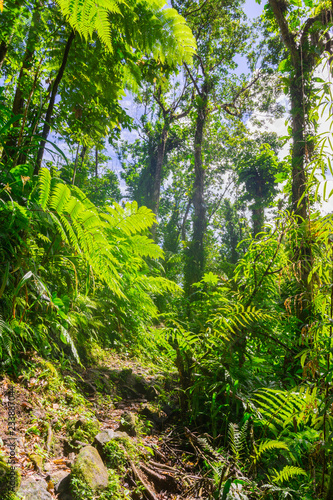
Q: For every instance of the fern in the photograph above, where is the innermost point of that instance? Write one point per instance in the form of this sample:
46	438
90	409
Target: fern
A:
60	197
142	245
44	182
279	410
109	241
145	25
129	220
287	473
238	440
268	445
232	317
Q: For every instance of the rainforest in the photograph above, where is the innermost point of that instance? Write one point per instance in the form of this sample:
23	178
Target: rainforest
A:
166	249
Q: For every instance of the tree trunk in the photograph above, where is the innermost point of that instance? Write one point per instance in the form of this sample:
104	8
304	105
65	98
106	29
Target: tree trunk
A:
329	493
3	50
49	112
96	163
297	98
300	104
195	259
10	148
75	164
155	198
303	57
257	220
83	152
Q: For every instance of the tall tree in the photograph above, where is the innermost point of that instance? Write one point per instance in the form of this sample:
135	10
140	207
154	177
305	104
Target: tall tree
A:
259	169
305	33
220	32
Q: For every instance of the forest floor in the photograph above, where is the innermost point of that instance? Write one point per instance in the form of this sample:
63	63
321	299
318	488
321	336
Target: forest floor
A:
59	410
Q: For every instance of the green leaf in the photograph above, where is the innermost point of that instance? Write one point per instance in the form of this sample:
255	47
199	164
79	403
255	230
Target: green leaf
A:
226	488
284	66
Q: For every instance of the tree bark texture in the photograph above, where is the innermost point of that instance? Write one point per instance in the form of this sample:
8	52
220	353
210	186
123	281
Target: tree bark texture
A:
257	220
157	178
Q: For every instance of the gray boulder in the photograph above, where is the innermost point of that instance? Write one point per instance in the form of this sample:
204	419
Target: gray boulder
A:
34	490
61	480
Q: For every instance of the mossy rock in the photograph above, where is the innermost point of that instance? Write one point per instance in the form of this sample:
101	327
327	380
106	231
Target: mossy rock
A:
129	423
90	469
34	490
83	430
7	477
37	460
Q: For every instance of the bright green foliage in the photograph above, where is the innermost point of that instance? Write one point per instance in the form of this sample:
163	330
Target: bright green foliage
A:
251	339
146	25
282	411
238	440
82	248
287	473
268	446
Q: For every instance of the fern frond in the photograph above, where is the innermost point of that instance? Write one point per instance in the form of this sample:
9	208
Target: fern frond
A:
157	284
59	227
234	440
268	445
288	472
283	408
145	247
145	25
234	316
44	185
59	198
129	220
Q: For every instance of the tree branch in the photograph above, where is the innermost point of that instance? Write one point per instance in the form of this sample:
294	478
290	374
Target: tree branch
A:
325	17
186	14
279	7
192	78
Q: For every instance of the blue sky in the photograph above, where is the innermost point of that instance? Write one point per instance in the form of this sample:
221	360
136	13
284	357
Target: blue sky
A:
252	9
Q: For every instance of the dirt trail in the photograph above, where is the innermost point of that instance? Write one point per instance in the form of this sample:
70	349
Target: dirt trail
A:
123	396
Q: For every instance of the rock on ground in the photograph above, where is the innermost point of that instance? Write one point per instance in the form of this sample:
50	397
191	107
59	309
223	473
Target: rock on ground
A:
90	468
34	490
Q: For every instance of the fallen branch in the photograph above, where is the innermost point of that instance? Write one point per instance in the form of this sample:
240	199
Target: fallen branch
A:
139	476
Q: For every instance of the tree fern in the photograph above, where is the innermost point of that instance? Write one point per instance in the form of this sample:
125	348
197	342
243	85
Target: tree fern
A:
129	219
145	25
144	246
44	182
231	317
87	17
104	238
